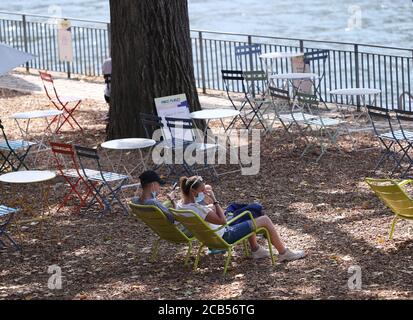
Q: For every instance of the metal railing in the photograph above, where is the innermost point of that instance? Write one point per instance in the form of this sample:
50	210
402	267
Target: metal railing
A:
348	65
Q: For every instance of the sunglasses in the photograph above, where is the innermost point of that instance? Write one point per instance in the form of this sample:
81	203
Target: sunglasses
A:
198	179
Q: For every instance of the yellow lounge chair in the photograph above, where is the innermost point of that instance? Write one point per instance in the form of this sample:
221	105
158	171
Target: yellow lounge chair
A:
391	192
155	219
208	237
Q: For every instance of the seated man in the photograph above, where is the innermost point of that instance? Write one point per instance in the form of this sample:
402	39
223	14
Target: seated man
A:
194	194
151	187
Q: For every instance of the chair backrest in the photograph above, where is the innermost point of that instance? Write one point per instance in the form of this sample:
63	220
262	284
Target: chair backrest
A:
48	85
181	129
5	138
277	93
155	219
307	100
84	153
150	123
256	81
233	81
199	229
248	52
62	151
316	56
376	114
393	195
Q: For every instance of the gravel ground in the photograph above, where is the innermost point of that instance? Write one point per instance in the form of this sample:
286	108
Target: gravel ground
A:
325	209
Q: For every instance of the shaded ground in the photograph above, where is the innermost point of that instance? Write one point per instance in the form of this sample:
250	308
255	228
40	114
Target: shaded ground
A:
323	208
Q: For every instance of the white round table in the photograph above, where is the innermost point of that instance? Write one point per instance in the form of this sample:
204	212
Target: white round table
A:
362	93
294	76
20	117
215	114
355	91
128	144
26	177
31	177
35	114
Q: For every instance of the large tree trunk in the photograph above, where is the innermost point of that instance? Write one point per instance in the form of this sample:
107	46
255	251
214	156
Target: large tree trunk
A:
151	57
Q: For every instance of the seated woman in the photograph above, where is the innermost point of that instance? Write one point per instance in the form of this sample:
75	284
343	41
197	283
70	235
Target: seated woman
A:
196	195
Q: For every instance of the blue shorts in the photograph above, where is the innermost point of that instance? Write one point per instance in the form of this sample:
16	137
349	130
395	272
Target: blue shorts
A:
238	231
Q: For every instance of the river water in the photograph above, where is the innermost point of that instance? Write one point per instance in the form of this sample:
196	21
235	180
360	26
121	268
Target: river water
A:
384	22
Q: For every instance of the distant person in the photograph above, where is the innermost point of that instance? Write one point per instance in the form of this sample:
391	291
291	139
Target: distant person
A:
107	75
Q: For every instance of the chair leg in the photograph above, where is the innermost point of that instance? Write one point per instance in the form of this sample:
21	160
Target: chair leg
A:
393	225
228	260
270	247
197	257
154	251
188	254
246	250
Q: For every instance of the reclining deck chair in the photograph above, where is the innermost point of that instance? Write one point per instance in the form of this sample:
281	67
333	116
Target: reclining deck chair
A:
395	197
208	237
156	220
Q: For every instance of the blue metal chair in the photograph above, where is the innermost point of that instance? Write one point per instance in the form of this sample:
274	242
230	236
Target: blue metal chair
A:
9	152
100	180
245	51
7	215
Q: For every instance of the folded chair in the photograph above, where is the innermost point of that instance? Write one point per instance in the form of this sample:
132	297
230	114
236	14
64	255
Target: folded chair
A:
62	103
392	193
155	219
6	216
106	185
208	237
391	141
13	152
67	165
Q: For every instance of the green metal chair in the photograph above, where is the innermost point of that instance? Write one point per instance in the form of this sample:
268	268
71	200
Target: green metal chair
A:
208	237
155	219
391	192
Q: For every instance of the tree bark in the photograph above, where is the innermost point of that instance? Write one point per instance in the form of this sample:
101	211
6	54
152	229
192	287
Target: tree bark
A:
151	57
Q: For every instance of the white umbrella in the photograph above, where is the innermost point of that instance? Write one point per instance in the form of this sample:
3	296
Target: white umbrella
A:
11	58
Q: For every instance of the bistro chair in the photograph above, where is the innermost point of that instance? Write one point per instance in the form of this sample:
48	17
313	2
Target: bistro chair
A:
67	104
13	152
106	185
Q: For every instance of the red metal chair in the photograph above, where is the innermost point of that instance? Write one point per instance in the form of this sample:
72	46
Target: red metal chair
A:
60	102
73	175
